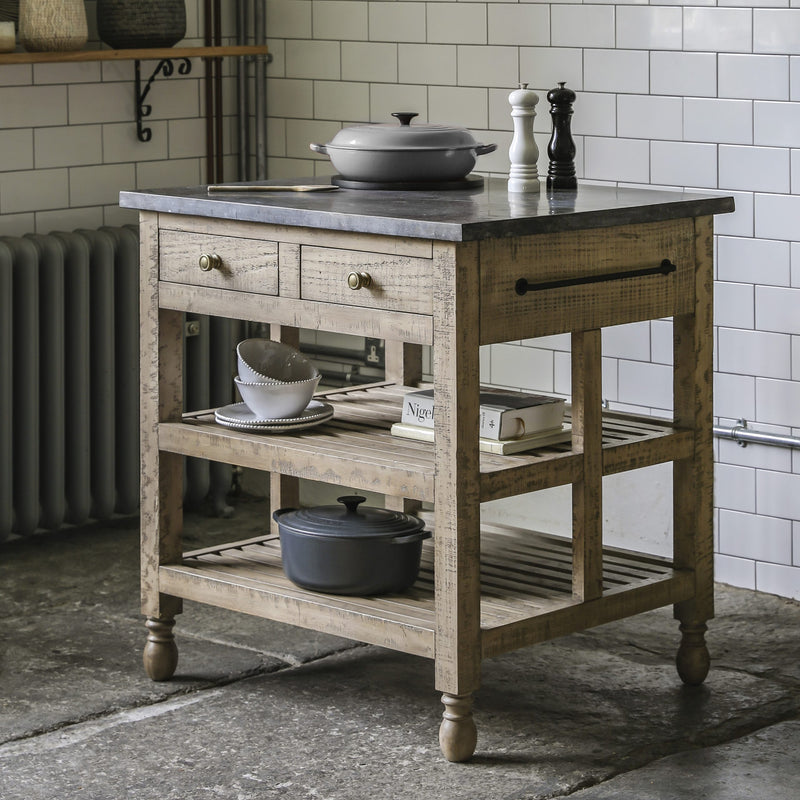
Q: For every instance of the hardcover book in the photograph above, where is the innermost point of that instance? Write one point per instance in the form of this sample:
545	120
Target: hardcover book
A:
504	414
563	433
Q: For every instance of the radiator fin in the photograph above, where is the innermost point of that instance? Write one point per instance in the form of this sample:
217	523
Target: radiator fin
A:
69	381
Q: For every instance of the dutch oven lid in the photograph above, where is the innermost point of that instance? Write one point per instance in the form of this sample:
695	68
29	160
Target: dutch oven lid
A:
405	136
348	520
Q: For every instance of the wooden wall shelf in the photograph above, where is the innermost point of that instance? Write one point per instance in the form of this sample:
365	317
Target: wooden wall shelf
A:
163	55
139	54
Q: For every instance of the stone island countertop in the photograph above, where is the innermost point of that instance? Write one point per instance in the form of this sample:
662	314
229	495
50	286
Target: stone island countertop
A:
484	212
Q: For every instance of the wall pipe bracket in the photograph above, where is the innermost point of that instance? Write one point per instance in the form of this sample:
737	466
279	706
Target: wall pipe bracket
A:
743	435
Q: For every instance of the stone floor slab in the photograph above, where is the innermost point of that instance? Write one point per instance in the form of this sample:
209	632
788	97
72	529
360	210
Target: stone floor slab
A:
551	719
763	764
263	710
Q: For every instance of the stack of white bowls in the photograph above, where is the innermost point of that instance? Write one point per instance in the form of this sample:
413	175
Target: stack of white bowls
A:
276	381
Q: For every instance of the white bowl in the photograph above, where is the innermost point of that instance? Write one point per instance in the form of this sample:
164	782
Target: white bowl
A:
277	400
265	361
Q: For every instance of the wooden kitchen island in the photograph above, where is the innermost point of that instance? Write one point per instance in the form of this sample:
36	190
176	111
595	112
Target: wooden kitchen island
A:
454	270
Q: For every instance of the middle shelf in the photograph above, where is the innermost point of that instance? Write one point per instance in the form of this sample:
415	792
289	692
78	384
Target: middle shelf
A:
356	449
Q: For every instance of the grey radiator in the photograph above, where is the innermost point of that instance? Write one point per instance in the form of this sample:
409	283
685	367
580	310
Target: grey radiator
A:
69	381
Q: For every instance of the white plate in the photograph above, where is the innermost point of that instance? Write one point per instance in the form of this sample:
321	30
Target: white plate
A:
238	415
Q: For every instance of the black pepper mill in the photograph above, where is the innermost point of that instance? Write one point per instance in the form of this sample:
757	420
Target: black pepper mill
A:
561	149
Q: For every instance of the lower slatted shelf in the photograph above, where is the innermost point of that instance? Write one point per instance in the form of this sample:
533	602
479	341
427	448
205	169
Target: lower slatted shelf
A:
526	591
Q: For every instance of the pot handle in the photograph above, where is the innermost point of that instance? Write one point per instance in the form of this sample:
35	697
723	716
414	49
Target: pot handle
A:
483	149
319	148
279	512
417	536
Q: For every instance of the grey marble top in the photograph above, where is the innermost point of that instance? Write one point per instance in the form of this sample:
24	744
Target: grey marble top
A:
488	211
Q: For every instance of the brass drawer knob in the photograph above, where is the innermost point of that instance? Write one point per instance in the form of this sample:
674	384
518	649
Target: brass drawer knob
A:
358	280
209	261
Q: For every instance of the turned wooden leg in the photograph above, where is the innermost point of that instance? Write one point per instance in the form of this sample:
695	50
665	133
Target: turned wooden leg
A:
693	659
160	652
457	733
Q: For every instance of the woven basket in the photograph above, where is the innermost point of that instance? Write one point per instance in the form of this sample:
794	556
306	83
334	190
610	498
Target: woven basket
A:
125	24
52	25
9	10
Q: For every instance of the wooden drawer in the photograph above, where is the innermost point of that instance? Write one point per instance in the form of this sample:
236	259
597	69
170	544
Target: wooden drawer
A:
395	282
546	284
244	264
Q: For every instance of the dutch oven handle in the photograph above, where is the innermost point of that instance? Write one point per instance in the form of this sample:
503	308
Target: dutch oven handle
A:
279	512
319	148
417	536
483	149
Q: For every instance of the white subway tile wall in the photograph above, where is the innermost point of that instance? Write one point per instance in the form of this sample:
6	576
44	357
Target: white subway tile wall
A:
772	458
754	77
734	305
755	537
683	74
702	95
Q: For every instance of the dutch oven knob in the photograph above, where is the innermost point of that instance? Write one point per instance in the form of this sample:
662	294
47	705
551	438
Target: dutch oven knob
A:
351	501
405	117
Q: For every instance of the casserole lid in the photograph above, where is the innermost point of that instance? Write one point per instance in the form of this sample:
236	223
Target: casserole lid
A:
405	136
349	521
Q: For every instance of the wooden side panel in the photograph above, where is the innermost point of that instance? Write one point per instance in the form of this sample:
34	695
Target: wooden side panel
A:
330	454
584	257
284	490
396	283
587	490
253	594
693	478
161	381
413	328
245	264
403	363
404	368
618	603
397	245
456	376
289	270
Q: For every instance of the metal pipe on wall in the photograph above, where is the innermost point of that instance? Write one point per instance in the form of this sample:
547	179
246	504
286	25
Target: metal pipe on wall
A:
212	36
219	172
743	435
260	87
242	91
209	95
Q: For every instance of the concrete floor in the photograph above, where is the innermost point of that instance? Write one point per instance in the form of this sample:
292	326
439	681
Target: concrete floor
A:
262	710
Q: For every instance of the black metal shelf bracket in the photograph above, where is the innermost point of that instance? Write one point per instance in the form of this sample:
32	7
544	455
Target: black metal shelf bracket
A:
164	67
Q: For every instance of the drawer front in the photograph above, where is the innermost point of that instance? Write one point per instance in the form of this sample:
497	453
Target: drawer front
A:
552	283
382	281
230	262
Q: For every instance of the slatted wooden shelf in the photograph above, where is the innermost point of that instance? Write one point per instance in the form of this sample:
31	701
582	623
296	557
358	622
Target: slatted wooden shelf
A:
356	448
526	591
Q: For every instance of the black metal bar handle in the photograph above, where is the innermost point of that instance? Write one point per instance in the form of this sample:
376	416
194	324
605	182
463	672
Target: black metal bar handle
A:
523	286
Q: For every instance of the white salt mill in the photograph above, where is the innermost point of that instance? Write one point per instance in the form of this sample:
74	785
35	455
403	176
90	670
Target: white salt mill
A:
523	153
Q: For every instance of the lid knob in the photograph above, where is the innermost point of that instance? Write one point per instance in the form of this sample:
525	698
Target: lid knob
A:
351	501
405	117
